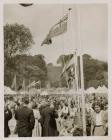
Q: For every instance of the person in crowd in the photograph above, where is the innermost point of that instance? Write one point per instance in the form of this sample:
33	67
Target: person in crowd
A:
106	118
88	122
78	132
99	121
25	119
48	122
64	126
65	109
7	117
37	127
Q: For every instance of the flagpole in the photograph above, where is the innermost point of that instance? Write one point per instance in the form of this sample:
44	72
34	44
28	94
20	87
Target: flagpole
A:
15	84
66	76
75	81
81	72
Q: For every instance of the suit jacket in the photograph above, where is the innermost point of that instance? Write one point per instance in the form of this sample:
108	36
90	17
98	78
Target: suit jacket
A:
25	121
48	122
7	117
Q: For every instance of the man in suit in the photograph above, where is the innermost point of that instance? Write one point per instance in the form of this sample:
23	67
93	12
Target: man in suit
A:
7	117
25	119
48	122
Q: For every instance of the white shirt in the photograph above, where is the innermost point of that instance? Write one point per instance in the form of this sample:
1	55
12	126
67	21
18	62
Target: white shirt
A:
65	110
98	119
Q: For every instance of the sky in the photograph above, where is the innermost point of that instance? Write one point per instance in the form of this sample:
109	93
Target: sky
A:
87	28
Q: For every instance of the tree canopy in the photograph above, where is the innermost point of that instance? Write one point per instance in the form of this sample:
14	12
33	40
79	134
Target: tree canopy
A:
25	67
17	39
94	70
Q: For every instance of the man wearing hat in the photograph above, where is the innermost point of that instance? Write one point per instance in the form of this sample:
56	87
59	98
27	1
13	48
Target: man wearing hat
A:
25	119
47	120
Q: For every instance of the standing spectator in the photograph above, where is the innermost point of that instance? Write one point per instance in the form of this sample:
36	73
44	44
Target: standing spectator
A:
48	122
25	119
98	126
65	110
37	127
7	117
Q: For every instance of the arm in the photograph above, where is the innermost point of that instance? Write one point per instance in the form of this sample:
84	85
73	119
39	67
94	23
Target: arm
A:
16	115
8	114
41	120
32	119
55	114
92	125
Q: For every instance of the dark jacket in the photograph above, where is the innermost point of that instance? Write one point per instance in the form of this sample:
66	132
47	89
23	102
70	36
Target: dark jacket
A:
25	121
48	122
7	117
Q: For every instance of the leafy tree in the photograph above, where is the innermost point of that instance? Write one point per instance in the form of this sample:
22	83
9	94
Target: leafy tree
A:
25	67
17	39
94	70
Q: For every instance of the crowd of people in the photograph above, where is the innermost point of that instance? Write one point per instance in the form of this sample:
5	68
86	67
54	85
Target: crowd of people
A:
54	115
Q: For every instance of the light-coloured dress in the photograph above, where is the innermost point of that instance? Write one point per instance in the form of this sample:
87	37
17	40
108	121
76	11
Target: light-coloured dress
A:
37	128
99	121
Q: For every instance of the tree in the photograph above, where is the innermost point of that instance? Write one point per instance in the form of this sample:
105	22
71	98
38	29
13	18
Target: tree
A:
17	39
95	71
25	67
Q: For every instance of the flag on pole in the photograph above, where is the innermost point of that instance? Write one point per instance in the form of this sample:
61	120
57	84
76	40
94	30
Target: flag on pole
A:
47	40
14	83
23	85
69	64
56	30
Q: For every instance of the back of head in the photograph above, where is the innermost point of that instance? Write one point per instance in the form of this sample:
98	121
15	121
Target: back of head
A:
25	100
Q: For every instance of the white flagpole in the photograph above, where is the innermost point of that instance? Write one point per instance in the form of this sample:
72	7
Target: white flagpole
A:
66	76
24	84
81	71
75	81
15	84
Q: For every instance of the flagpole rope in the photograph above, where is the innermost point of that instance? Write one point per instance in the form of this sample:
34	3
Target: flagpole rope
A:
63	49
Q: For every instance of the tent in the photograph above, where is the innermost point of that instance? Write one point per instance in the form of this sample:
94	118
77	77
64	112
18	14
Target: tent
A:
8	90
102	89
44	93
90	90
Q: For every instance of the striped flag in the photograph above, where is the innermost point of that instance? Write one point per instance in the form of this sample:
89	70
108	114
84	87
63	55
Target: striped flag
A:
56	30
69	64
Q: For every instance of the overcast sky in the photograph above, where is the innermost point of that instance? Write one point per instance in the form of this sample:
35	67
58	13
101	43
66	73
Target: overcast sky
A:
40	18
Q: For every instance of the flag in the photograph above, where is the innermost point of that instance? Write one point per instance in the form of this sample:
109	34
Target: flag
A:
56	30
14	83
47	41
68	65
23	85
31	84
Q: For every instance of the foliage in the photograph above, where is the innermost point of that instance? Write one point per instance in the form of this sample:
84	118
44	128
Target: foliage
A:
17	39
94	70
25	67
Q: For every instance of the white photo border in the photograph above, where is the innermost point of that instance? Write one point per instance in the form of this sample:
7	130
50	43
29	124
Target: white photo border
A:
109	3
